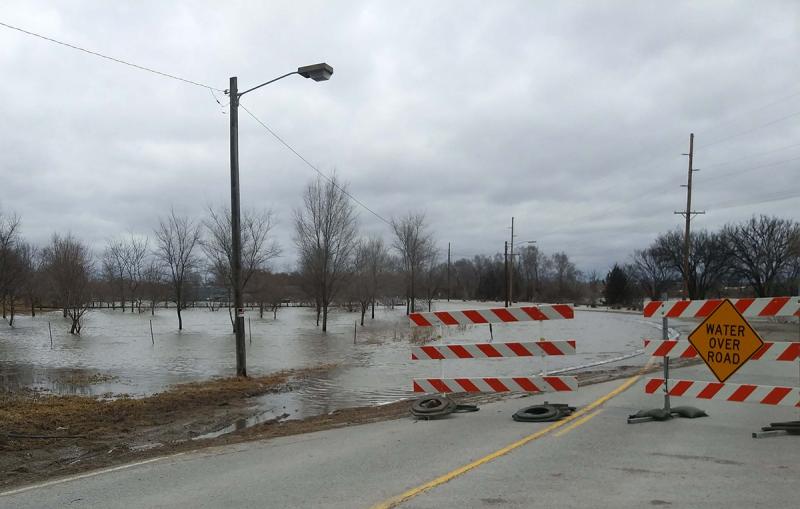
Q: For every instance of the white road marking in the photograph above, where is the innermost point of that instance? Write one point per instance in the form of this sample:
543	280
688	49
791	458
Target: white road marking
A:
84	476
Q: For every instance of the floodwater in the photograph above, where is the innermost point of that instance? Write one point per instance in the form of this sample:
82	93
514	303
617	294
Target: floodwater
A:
115	353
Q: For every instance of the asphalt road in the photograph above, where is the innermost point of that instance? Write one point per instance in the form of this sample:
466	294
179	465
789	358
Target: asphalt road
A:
597	460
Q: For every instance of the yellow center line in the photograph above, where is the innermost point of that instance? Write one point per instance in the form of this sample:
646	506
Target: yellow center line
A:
413	492
577	423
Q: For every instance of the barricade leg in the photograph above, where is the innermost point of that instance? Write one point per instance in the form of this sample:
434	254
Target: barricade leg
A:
665	336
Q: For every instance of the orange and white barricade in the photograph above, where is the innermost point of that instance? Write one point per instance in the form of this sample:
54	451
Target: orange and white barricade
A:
769	351
781	351
490	384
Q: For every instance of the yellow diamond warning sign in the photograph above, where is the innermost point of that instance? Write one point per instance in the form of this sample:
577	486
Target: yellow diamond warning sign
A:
725	340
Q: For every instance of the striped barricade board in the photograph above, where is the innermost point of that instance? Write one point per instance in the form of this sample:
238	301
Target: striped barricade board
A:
497	384
771	350
494	315
738	393
522	314
748	307
493	350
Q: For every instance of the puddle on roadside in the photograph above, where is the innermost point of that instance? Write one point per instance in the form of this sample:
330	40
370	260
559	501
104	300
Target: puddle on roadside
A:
297	405
280	407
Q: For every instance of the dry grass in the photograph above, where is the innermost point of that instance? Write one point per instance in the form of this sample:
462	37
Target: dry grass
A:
35	413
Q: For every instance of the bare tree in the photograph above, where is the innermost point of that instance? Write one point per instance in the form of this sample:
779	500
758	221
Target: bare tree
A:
652	275
415	245
258	247
433	278
135	258
9	236
565	276
13	280
466	279
530	269
114	271
325	235
594	288
371	259
21	278
707	259
761	251
124	263
31	266
153	287
177	237
378	264
361	278
69	266
269	289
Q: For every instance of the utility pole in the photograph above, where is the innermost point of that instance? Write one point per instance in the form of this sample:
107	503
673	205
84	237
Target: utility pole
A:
505	266
448	272
236	231
688	214
511	267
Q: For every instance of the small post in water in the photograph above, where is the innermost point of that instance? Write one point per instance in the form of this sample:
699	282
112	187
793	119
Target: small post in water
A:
250	330
49	328
355	326
152	338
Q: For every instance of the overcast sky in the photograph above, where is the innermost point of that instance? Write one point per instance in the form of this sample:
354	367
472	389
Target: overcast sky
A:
569	116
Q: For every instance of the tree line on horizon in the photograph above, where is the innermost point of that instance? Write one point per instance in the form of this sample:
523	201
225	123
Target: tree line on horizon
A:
187	260
757	257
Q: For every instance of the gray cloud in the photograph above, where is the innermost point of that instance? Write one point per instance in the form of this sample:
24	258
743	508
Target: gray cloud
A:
569	116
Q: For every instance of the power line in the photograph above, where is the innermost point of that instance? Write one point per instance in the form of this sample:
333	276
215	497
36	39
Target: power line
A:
321	174
742	133
113	59
750	156
774	197
659	190
738	172
759	108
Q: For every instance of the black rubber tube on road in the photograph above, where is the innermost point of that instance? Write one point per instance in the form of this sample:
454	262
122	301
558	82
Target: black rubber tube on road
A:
432	407
547	412
536	413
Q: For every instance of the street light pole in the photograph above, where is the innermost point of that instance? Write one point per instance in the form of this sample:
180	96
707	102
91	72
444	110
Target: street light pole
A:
236	232
317	72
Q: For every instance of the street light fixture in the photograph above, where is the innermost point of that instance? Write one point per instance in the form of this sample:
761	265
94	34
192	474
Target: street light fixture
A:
317	72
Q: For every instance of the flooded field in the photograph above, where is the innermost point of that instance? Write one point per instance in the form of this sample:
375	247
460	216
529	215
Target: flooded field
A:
115	353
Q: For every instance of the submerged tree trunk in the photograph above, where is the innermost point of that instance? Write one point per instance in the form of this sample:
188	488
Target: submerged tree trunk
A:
11	310
373	309
76	323
180	319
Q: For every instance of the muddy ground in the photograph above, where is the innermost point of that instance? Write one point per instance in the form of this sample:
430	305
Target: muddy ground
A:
44	436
